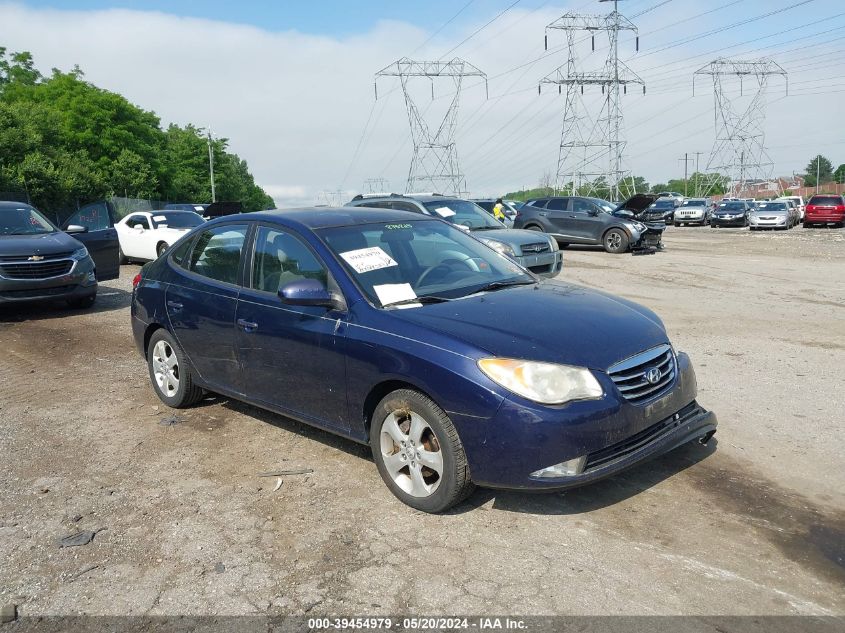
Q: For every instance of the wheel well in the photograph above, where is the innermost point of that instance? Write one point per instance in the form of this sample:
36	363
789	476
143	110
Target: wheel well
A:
162	242
378	392
528	226
148	334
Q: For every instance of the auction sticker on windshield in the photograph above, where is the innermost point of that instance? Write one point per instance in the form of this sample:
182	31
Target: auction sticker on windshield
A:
444	212
364	260
391	293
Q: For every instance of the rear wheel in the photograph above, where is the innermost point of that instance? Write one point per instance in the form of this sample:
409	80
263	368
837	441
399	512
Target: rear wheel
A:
169	372
807	225
418	452
615	241
534	227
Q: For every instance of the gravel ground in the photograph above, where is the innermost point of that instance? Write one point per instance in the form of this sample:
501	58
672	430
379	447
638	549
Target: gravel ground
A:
752	524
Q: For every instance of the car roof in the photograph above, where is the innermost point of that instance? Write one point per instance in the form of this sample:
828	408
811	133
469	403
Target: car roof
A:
11	204
325	217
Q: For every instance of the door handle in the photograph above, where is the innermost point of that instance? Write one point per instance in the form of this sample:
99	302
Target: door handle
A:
248	326
175	305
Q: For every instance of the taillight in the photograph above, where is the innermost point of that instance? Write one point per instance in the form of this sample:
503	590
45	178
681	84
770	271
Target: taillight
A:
810	207
136	280
840	208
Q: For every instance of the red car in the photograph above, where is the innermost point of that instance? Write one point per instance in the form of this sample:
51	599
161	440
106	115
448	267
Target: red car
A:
824	209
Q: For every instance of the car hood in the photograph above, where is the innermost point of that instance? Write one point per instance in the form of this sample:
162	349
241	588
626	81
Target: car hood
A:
512	237
638	203
549	321
43	244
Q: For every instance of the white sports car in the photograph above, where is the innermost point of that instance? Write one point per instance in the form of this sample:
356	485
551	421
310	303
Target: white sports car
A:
147	234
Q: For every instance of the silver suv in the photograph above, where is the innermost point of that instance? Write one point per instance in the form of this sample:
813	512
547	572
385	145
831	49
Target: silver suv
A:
693	211
535	251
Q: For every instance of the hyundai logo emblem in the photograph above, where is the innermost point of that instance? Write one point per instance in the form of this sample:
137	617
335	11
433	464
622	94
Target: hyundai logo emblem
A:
653	375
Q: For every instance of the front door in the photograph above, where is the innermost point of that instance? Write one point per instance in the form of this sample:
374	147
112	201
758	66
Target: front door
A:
586	221
201	304
100	239
292	356
557	213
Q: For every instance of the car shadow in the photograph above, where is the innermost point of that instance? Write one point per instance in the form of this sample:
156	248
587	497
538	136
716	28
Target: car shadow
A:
596	496
588	498
108	300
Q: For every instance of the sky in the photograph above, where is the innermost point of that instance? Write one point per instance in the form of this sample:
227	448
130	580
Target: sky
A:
291	84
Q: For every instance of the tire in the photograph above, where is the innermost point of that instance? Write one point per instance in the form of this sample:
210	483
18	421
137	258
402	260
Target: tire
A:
807	225
160	248
170	374
82	303
562	246
405	425
534	227
677	224
121	258
615	241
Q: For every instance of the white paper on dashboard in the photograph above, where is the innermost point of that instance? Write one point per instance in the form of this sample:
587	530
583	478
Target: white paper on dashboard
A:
364	260
444	212
390	293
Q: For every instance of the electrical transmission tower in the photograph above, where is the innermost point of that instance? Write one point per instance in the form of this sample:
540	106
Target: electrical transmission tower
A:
739	154
591	147
434	166
376	185
329	198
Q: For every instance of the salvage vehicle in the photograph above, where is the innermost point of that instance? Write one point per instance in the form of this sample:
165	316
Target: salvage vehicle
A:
145	235
582	220
825	209
693	211
39	262
456	365
539	254
773	215
731	213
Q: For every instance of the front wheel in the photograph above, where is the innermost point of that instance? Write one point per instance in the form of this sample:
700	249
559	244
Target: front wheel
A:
170	375
418	452
615	241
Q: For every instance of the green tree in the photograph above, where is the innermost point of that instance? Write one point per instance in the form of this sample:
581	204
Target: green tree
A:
818	171
839	174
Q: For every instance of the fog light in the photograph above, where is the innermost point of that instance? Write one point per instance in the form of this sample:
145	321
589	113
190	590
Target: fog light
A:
564	469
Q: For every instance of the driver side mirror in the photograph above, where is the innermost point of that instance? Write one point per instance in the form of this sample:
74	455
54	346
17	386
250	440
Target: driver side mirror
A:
76	228
310	292
593	212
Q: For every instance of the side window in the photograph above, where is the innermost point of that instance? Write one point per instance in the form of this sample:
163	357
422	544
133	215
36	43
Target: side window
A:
404	206
579	205
178	255
217	253
138	220
280	258
94	217
557	204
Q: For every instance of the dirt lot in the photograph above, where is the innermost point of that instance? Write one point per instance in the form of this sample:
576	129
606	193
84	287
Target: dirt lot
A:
752	524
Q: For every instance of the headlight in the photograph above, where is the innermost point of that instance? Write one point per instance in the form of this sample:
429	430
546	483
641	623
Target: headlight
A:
635	226
79	254
499	247
545	383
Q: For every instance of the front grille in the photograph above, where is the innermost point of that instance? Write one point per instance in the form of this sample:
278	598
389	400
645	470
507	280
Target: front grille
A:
23	258
644	437
630	379
766	218
36	270
534	249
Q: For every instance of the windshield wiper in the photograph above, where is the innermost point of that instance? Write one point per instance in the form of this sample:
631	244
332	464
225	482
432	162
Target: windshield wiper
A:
420	299
498	285
487	228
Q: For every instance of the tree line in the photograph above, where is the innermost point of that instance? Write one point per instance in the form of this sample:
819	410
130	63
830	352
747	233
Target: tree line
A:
65	142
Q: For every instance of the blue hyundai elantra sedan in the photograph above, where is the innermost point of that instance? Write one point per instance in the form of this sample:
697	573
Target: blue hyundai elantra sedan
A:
457	366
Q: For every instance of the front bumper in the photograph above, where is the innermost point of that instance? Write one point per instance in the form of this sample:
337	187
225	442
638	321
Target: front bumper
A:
761	223
545	264
650	240
614	434
680	219
79	283
718	221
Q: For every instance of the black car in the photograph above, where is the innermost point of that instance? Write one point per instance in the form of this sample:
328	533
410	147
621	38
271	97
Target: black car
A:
38	261
731	213
667	208
582	220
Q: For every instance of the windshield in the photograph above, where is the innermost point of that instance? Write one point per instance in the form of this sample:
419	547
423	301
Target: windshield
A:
693	203
24	221
771	206
184	220
463	213
396	262
663	204
732	206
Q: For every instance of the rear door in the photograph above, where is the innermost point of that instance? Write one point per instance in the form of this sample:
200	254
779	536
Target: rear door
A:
201	303
100	239
557	213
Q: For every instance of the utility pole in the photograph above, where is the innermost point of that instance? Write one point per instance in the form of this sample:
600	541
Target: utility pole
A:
697	174
686	159
434	166
211	165
591	146
739	149
818	163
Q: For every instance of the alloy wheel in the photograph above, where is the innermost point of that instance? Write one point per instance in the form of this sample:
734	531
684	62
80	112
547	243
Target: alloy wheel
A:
613	240
411	453
166	369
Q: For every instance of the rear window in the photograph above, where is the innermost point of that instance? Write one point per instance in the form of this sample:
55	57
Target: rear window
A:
826	200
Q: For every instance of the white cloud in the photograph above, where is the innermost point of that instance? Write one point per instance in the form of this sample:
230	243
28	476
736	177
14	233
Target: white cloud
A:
294	105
